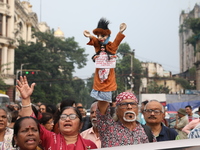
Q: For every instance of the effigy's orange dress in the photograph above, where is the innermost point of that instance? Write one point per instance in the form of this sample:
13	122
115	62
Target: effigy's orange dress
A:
110	83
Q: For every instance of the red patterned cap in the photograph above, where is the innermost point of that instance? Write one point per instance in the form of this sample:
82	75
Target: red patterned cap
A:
125	95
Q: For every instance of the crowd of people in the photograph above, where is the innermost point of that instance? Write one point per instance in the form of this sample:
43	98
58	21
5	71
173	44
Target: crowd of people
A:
66	126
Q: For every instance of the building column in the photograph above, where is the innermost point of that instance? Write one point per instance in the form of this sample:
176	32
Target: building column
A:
11	61
4	25
24	32
4	59
28	32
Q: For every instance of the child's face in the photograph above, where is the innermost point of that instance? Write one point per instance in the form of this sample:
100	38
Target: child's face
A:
102	38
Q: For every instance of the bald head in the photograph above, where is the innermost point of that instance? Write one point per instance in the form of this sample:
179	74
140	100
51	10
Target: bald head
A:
152	102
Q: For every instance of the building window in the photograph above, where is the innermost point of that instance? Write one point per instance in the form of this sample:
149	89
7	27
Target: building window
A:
1	23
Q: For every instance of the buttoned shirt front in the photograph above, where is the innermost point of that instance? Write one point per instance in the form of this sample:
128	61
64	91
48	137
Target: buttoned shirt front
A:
90	135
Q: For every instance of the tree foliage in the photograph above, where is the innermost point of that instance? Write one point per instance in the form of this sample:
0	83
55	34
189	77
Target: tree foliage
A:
55	60
194	25
3	85
184	83
123	69
153	87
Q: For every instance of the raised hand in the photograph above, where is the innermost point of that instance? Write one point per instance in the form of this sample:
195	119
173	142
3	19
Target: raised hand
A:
86	33
23	87
122	27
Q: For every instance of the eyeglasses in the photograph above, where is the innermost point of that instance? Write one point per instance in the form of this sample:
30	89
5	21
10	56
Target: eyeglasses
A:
125	105
156	112
50	122
63	117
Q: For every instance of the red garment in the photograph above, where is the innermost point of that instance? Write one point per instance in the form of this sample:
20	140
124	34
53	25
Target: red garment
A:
110	83
52	141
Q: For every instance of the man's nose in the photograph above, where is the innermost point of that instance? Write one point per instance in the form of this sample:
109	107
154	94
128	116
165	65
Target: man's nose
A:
129	106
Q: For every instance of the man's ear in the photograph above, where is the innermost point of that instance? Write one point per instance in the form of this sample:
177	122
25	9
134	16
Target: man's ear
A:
163	115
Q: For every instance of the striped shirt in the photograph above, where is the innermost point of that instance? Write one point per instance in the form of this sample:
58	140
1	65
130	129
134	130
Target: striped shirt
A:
195	133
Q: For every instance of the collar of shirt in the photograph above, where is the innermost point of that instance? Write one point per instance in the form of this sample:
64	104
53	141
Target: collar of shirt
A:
91	131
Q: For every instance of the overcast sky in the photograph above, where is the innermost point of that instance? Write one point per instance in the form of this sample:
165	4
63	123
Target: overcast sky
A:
152	25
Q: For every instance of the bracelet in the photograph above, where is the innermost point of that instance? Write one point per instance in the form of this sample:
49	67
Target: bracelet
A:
24	106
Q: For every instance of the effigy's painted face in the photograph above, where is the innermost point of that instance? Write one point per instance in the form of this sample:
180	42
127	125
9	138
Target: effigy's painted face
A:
102	38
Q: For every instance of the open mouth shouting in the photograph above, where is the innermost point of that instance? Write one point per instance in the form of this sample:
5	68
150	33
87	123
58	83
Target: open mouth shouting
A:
67	124
129	116
31	141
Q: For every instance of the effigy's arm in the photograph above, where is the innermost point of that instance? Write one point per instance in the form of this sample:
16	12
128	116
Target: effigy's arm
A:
112	47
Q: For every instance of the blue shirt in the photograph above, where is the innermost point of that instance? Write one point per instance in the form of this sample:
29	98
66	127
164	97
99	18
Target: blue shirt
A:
141	119
166	134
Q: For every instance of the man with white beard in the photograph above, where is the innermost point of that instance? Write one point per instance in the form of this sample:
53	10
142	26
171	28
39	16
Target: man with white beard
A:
123	129
92	133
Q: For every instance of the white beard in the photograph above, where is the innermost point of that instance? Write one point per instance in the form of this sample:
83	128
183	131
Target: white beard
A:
94	124
131	119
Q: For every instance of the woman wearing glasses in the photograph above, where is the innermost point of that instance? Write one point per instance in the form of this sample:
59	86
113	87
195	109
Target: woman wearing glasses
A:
69	124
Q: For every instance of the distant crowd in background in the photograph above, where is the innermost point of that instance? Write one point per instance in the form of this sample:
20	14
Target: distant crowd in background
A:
123	122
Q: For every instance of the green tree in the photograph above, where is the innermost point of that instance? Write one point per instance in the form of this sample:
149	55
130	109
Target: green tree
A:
55	60
3	85
194	25
184	83
123	69
153	87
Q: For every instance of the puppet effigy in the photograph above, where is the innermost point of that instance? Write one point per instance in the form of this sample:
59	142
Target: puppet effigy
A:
104	79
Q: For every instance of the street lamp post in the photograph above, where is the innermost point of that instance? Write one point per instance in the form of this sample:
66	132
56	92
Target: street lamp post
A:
22	67
16	78
131	74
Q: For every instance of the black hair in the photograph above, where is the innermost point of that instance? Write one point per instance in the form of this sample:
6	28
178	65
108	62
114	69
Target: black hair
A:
35	111
63	104
188	106
66	102
145	102
45	118
14	115
107	52
75	109
18	124
50	108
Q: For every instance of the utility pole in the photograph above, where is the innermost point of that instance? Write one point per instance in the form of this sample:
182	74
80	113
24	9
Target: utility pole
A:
131	74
